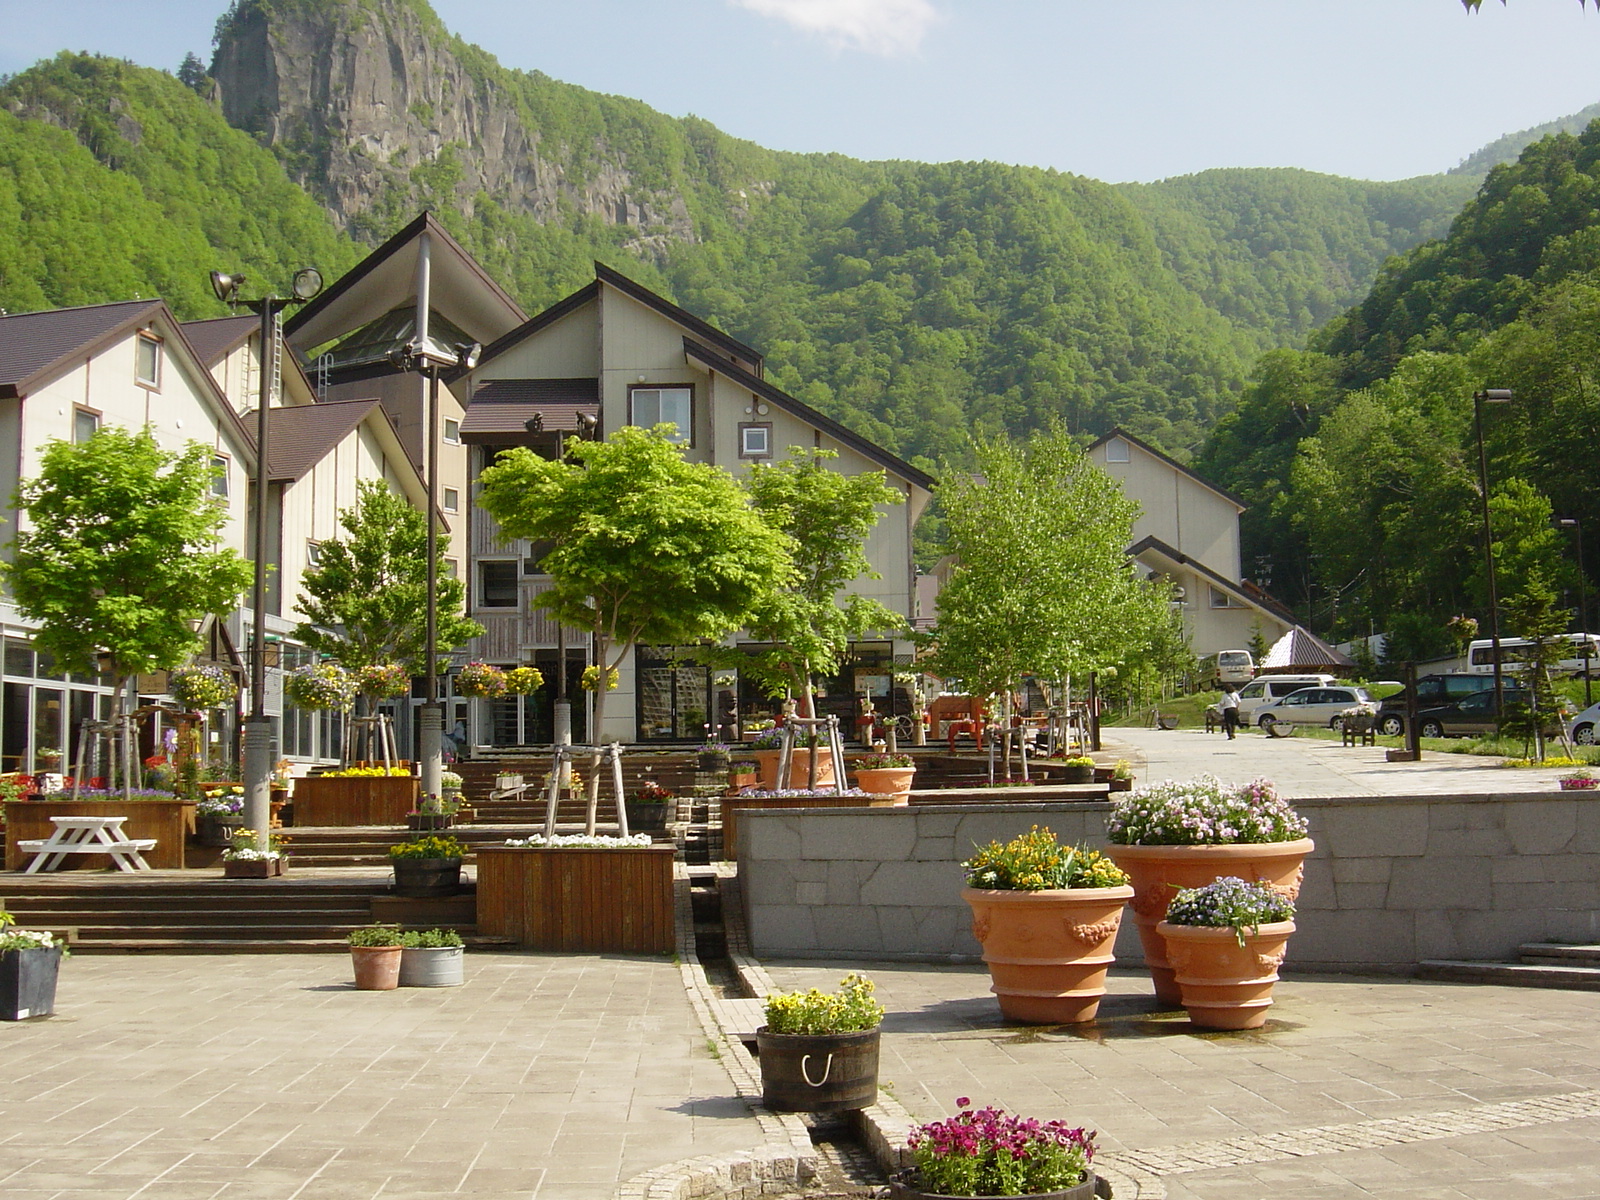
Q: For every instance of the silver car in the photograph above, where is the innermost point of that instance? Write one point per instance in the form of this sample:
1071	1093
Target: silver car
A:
1311	706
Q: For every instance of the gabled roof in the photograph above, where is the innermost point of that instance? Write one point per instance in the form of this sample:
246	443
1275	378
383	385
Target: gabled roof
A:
1122	433
532	326
34	346
459	289
300	437
700	329
214	340
1249	593
806	413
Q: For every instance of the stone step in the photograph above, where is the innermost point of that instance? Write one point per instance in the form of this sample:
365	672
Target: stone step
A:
1559	954
205	932
251	917
1511	974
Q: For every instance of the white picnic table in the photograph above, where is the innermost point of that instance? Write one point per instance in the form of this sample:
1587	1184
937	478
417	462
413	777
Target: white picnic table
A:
86	835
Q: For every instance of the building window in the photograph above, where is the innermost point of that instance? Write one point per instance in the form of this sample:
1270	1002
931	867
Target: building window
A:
313	554
1116	450
1221	599
219	485
497	584
532	564
452	500
452	431
147	363
755	441
85	425
658	406
452	568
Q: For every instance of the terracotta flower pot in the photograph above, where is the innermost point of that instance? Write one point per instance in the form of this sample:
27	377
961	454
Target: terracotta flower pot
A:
1225	985
887	781
1159	872
799	768
377	967
1048	951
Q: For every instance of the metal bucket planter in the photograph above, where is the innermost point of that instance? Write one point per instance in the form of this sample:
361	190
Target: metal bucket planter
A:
431	966
903	1187
1159	872
377	967
420	878
825	1072
1226	985
28	983
1048	951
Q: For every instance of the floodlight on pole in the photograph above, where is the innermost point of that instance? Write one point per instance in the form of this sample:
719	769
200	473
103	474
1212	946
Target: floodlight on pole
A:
258	727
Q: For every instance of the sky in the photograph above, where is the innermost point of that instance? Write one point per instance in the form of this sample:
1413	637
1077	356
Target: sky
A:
1116	90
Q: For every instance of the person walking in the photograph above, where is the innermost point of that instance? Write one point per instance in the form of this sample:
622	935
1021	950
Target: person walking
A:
1230	710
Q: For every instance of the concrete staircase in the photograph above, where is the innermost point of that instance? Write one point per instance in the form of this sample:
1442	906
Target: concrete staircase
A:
1539	964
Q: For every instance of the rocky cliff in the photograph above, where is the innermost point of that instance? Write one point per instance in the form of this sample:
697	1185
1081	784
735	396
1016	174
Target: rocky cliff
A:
377	110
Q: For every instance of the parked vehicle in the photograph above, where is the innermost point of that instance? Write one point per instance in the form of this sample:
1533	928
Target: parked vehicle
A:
1265	689
1226	666
1312	706
1473	716
1514	653
1584	729
1434	690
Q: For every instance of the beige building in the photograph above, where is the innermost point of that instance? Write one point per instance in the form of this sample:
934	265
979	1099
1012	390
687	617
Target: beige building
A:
1187	531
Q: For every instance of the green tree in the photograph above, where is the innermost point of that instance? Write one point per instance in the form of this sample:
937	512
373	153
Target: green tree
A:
810	620
366	600
646	547
1534	612
119	555
192	73
1042	584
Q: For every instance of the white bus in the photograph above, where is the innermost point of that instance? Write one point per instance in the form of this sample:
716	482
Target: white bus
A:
1514	653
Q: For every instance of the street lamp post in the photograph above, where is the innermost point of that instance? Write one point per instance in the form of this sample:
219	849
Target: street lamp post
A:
420	357
1576	525
258	726
1479	399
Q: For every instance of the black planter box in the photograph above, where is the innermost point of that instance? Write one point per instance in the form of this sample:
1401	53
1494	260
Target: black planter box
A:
28	983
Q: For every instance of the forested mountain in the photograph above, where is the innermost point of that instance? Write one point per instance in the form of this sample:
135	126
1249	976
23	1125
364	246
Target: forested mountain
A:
911	301
1359	455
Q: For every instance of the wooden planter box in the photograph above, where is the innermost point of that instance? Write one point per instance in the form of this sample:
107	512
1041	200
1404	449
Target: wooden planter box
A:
574	899
170	822
370	800
732	804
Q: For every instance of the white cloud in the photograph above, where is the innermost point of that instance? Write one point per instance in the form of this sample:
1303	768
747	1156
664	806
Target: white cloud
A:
886	27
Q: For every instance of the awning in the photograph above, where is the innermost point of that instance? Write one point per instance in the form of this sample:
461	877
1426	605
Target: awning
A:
501	409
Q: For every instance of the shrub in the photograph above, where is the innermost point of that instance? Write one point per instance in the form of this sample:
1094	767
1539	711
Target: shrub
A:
430	939
812	1012
369	936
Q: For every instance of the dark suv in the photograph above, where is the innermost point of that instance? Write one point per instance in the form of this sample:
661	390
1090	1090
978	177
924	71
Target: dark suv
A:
1436	690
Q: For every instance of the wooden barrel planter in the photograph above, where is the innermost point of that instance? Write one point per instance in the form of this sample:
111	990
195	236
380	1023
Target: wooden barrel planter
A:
321	800
425	878
169	822
578	899
821	1073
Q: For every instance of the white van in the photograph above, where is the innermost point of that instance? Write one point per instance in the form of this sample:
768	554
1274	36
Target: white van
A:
1514	652
1228	666
1269	689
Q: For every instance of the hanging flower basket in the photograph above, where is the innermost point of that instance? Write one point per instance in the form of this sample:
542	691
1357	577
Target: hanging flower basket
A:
481	681
524	681
319	686
202	687
381	682
591	679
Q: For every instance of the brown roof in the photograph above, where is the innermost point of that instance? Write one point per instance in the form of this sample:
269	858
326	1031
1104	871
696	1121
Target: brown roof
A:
300	437
213	340
34	345
505	406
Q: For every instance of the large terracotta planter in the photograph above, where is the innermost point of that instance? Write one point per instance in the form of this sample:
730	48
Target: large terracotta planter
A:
1225	985
1159	872
1048	951
377	967
887	781
799	768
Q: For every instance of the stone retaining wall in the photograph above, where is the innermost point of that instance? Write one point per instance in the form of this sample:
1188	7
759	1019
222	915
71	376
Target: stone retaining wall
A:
1394	879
